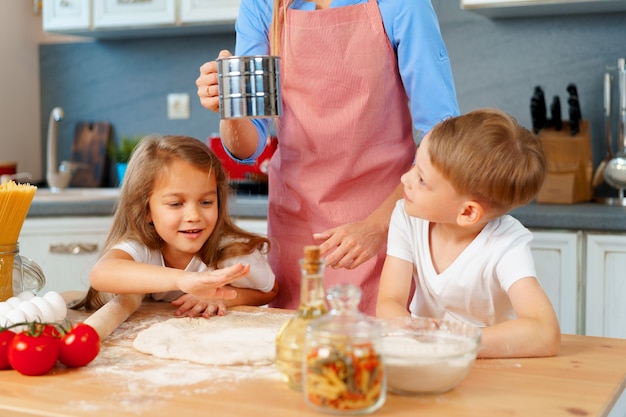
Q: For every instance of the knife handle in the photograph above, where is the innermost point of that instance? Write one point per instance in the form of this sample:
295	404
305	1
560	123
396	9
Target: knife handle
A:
608	83
622	102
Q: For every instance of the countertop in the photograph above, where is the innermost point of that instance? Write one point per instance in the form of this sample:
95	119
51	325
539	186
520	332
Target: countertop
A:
254	206
580	216
585	379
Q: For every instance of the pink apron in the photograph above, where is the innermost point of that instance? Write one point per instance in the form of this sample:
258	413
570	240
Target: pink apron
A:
345	139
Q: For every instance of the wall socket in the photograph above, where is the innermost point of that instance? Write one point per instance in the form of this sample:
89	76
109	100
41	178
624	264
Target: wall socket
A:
178	106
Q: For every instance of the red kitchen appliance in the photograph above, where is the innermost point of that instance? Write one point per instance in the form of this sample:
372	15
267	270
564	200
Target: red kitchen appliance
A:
241	174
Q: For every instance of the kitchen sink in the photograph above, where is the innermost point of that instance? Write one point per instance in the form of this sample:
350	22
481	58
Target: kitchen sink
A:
76	194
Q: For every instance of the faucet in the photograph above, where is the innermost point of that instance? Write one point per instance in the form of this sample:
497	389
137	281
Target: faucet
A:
57	176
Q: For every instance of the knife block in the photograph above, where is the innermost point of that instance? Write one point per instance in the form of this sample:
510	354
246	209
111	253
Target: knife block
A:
570	165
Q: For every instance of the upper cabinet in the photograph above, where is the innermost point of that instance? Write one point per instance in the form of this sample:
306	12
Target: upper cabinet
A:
60	15
525	8
133	13
112	19
199	11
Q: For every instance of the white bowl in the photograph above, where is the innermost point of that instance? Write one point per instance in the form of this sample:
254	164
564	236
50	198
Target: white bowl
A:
427	356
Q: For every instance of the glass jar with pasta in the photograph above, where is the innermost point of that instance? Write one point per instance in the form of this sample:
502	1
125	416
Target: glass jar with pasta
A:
343	368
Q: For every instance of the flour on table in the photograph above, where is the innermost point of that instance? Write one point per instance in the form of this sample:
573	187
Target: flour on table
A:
237	338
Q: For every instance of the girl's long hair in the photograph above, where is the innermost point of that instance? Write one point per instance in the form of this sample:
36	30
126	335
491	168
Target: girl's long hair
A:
152	158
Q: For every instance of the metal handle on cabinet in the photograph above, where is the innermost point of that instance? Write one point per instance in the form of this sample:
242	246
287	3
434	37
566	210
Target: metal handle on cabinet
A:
74	248
133	1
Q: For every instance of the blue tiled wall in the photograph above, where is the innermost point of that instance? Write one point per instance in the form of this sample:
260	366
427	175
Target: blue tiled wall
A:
126	83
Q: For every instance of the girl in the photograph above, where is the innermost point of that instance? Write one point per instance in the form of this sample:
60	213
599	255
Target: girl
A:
172	236
357	77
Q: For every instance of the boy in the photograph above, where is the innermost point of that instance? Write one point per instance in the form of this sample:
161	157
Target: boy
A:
451	237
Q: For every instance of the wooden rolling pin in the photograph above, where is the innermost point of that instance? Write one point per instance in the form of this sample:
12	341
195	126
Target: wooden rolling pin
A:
115	312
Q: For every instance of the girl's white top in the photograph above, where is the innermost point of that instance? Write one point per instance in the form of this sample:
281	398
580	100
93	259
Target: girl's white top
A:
260	277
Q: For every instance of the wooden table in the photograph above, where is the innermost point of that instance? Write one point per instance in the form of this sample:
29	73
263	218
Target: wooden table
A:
586	379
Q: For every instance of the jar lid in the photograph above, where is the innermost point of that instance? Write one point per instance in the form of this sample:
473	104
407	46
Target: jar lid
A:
344	318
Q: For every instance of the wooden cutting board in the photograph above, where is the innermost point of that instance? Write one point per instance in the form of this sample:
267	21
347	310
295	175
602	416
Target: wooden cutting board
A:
90	146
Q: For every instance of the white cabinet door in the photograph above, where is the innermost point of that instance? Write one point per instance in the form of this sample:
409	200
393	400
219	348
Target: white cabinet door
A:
65	247
559	269
133	13
205	11
606	285
258	226
524	8
66	14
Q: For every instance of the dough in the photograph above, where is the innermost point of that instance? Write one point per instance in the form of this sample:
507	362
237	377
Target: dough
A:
237	338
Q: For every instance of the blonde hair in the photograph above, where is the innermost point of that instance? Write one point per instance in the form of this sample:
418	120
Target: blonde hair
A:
150	160
279	16
489	156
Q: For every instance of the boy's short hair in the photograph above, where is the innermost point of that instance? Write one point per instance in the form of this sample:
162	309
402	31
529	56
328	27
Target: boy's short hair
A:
487	155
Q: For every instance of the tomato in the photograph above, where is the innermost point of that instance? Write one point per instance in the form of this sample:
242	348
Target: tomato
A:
49	330
33	354
5	339
79	346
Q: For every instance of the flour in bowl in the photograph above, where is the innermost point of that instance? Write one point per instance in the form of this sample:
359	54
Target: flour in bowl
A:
426	366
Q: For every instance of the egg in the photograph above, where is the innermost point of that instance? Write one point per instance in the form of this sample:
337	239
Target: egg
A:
25	295
47	312
16	316
4	322
57	303
31	311
5	308
14	301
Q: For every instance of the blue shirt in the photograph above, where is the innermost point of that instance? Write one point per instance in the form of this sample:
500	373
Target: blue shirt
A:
413	31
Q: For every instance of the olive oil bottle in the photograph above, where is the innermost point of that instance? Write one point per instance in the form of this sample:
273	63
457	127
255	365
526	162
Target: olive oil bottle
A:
291	337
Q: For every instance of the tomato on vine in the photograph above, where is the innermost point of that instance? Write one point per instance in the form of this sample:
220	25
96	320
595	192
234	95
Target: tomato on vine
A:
32	352
5	339
79	346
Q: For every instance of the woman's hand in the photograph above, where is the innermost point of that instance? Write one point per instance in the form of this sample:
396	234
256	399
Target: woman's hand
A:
208	91
352	244
192	306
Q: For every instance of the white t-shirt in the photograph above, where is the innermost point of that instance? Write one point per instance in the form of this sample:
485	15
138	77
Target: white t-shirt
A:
474	287
260	277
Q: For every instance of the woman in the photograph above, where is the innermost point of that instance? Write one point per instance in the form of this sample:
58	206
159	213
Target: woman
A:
354	74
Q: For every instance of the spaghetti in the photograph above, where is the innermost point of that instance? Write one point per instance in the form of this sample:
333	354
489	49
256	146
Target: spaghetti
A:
15	201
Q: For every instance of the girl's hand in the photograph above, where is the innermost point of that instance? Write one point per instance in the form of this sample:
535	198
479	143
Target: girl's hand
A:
208	284
352	244
208	91
192	306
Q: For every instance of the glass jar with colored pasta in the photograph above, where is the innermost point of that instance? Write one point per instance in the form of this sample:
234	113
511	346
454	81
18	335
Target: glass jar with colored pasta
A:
343	368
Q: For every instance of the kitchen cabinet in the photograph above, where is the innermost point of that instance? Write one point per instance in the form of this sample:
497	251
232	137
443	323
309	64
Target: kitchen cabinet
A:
583	273
122	19
66	15
128	13
65	247
606	285
559	269
253	225
524	8
200	11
